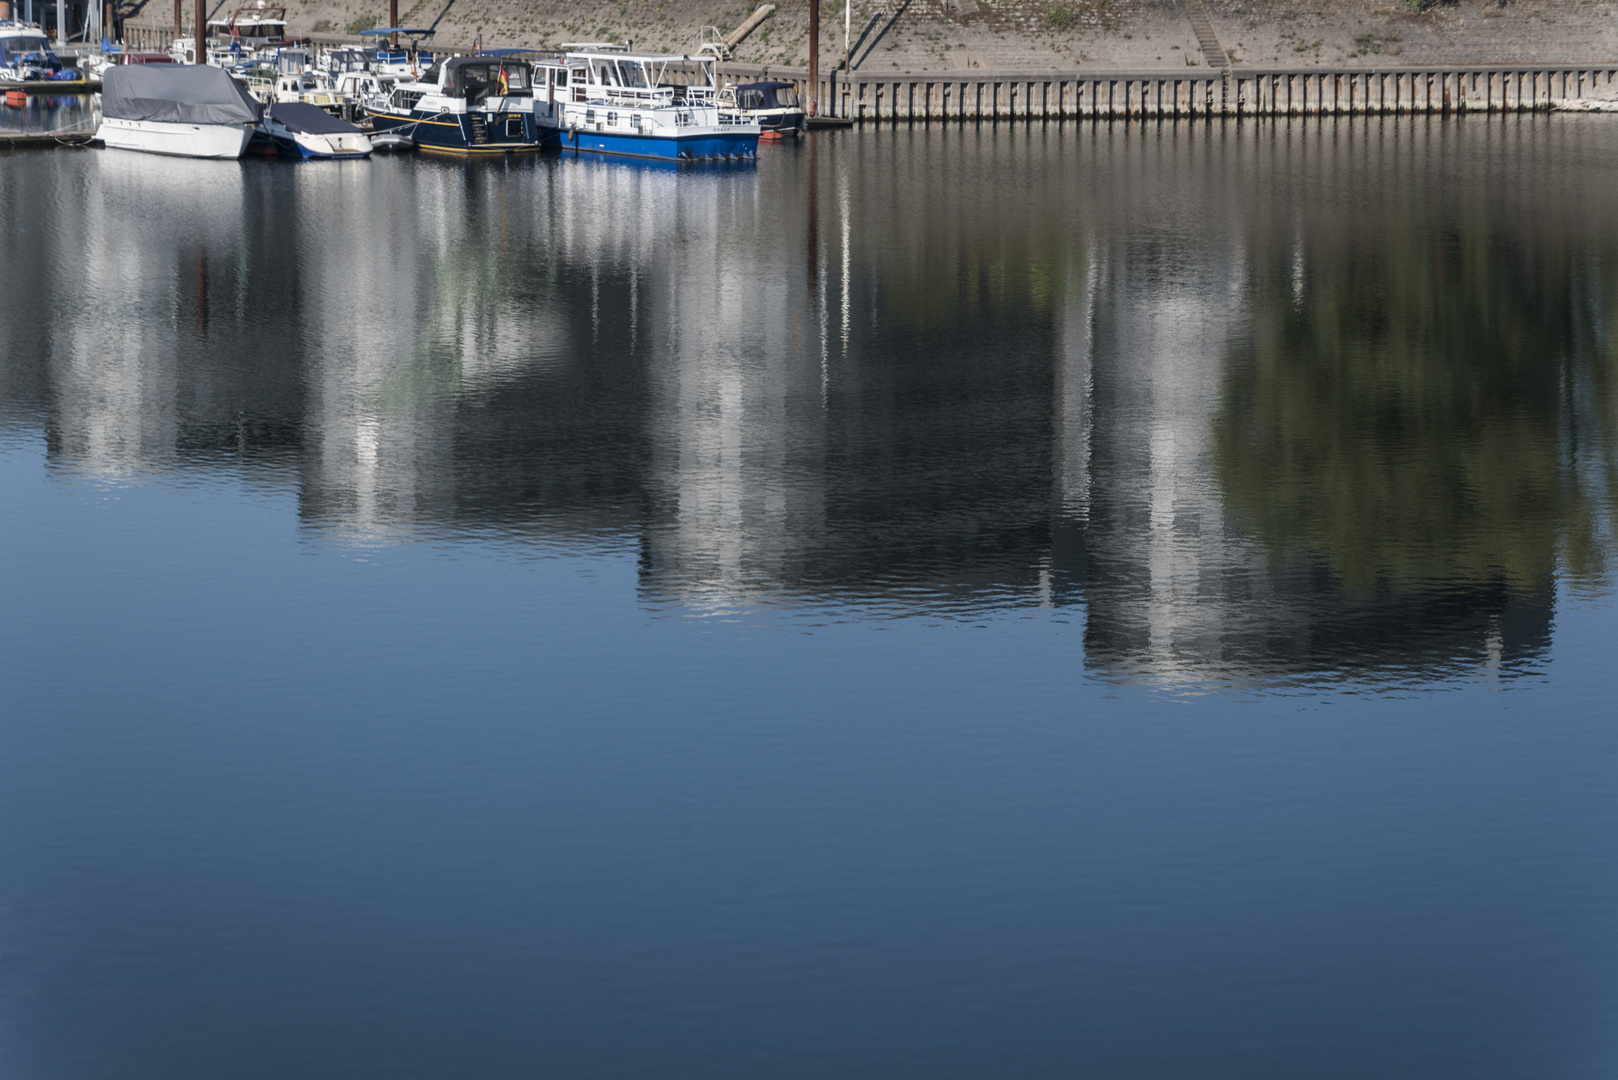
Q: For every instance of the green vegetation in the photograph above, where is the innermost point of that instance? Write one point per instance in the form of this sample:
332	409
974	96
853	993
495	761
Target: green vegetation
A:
1404	417
1367	44
1059	17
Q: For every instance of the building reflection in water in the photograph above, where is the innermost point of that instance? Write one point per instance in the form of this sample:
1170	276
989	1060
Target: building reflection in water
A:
1249	420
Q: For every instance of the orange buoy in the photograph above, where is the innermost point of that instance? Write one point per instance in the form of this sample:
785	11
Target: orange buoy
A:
16	97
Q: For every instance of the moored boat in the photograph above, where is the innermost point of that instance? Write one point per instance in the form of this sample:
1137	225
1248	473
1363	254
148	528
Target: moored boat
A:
26	55
641	105
305	131
465	105
772	105
189	110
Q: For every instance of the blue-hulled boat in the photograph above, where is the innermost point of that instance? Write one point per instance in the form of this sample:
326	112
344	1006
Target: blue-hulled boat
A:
465	105
298	130
642	105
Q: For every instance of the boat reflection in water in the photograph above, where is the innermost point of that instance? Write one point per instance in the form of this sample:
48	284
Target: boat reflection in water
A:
1318	425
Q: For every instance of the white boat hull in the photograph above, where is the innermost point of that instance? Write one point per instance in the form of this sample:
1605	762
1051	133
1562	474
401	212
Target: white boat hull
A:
178	140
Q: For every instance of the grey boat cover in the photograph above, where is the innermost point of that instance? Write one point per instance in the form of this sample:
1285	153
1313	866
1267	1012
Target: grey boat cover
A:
310	119
176	94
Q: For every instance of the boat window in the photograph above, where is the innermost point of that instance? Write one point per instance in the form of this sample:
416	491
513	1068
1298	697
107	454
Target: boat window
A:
786	97
477	76
750	99
11	48
631	74
516	76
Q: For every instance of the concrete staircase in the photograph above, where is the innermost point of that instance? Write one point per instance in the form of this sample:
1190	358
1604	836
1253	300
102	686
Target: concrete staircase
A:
1213	53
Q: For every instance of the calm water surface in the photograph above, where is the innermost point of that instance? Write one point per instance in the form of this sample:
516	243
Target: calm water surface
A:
1052	601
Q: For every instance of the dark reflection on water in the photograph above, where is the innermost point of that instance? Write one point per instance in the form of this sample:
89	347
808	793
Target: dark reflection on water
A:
51	112
1254	404
560	618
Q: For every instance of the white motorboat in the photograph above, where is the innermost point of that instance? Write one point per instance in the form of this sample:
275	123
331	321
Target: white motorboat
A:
772	105
188	110
640	104
26	55
312	88
309	132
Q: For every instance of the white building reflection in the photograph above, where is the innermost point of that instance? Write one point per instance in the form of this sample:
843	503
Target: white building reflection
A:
779	394
115	370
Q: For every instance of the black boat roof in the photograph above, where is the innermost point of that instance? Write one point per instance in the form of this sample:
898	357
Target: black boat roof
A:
455	63
310	119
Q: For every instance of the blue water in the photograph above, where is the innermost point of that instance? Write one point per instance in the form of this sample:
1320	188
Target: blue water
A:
548	636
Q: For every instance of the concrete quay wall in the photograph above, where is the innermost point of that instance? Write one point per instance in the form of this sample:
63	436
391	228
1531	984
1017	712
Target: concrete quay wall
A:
1314	91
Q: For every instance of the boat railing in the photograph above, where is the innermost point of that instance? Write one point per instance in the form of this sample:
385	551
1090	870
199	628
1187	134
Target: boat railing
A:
625	97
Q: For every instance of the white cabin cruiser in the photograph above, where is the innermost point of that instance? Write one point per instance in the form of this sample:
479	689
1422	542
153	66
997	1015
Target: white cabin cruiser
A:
26	55
251	29
772	105
356	87
642	105
190	110
312	88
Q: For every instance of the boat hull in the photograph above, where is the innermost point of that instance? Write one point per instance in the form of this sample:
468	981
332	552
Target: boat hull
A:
175	140
715	145
451	133
310	147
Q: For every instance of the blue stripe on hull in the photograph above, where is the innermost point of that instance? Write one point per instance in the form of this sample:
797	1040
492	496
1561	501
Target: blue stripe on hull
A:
680	148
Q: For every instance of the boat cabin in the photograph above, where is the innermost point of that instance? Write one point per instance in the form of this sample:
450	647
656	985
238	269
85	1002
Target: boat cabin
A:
252	28
291	61
772	105
341	61
311	88
759	96
392	60
636	80
25	53
477	77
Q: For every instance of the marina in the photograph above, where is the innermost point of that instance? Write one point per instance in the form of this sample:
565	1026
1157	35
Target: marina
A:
649	558
602	98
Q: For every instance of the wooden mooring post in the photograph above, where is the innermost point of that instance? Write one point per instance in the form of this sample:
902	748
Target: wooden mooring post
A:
878	98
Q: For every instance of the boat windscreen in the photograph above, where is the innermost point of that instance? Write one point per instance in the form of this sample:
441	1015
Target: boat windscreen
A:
13	47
